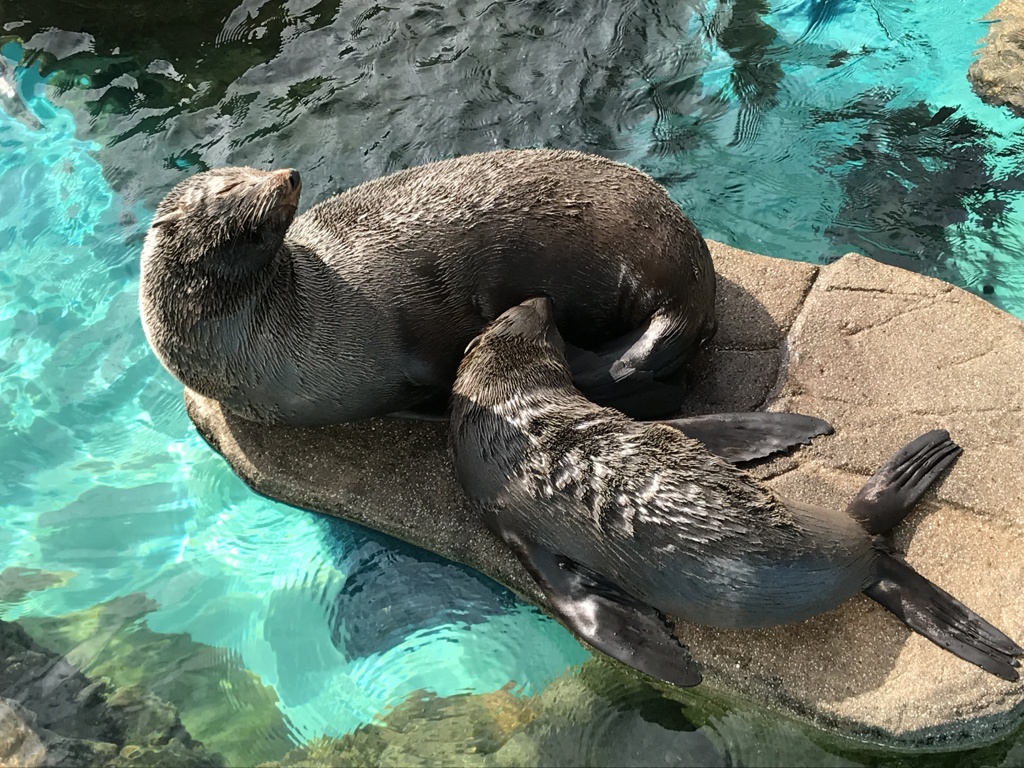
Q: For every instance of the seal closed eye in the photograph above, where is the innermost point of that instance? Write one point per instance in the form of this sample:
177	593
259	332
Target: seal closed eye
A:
622	523
363	305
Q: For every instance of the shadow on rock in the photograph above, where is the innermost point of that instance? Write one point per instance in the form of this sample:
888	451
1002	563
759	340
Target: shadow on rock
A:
739	369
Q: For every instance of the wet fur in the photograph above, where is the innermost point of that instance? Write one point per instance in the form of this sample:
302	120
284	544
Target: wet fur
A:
640	503
363	305
656	520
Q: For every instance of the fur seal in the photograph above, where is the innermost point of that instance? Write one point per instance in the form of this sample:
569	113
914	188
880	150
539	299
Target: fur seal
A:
622	523
363	305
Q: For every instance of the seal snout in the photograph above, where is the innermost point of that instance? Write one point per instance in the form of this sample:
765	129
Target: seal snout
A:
529	318
539	304
532	319
291	184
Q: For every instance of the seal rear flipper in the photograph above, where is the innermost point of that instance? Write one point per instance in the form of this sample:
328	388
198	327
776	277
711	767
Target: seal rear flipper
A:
607	618
636	393
740	437
942	618
890	493
630	371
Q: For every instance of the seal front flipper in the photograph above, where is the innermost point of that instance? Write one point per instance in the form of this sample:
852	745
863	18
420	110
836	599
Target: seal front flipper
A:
890	493
607	618
740	437
943	619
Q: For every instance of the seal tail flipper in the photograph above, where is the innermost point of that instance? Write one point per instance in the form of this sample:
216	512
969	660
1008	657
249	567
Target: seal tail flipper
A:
637	394
942	618
890	493
740	437
607	618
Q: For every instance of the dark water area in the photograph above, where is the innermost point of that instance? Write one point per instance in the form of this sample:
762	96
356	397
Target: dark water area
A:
345	91
392	591
131	553
801	130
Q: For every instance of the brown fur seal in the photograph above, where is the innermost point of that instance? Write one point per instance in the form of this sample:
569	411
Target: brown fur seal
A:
622	523
363	305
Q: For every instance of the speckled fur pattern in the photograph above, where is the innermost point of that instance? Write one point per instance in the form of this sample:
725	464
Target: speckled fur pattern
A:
640	503
363	305
644	510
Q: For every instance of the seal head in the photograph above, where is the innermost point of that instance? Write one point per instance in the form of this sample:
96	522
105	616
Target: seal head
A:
230	220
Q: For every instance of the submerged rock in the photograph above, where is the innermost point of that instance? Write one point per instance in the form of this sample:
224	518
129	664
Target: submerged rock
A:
583	719
424	730
59	696
52	713
159	676
24	742
997	75
882	354
17	582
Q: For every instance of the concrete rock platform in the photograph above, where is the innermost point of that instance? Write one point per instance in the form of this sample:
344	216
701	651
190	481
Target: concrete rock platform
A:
881	353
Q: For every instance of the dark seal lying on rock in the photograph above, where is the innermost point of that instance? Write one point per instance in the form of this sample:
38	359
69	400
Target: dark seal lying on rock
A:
622	523
363	305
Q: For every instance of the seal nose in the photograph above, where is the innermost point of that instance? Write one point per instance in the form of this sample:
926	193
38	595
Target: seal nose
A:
290	184
539	304
289	178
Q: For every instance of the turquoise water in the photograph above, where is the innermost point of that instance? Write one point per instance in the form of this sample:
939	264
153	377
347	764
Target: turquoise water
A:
857	155
104	477
801	130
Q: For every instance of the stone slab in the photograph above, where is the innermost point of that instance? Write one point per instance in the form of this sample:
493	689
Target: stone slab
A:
884	355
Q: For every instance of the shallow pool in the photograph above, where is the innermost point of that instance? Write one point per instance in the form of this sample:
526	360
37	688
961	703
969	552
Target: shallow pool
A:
799	129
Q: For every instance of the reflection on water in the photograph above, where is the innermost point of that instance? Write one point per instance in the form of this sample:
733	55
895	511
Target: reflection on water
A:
389	594
799	128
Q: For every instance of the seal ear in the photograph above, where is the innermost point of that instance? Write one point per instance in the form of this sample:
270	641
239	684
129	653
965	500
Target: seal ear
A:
167	217
473	344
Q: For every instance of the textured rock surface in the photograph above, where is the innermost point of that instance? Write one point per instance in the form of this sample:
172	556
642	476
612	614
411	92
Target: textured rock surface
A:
884	355
997	75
